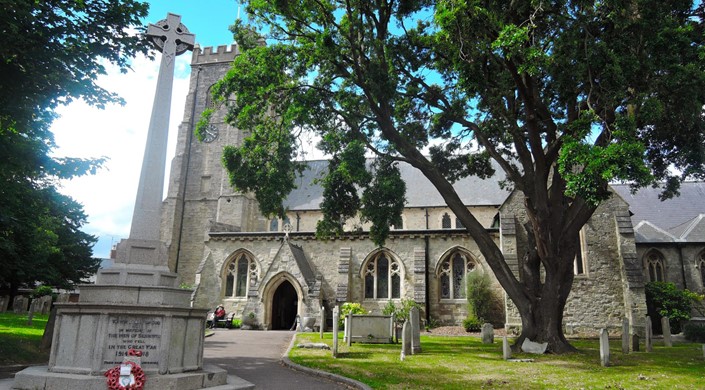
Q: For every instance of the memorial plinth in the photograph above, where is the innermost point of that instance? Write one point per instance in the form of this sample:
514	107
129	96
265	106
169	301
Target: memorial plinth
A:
136	305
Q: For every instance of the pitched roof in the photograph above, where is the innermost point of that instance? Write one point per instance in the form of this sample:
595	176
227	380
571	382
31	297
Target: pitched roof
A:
419	191
682	217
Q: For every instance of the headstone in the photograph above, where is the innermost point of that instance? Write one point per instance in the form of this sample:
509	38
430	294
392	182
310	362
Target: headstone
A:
4	303
635	342
625	335
322	327
648	346
20	304
44	305
415	330
604	348
406	336
63	297
666	330
348	329
506	350
336	318
487	333
529	346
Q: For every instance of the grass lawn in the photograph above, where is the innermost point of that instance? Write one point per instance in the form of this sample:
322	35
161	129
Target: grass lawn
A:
466	363
19	342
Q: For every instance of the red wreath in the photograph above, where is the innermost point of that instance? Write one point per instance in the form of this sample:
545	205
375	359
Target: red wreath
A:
113	376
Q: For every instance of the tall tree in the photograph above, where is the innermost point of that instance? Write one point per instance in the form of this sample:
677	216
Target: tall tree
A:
52	52
564	96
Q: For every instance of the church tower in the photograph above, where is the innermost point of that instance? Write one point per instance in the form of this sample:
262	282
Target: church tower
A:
200	197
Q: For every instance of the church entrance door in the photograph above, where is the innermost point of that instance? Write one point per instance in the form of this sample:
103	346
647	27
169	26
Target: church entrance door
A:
285	304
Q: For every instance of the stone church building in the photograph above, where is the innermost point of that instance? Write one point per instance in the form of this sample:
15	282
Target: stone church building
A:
273	270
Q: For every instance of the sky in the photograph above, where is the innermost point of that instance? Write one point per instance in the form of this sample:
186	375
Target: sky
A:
120	132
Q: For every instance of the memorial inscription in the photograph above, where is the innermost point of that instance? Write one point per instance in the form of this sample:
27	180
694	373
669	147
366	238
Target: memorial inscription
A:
132	332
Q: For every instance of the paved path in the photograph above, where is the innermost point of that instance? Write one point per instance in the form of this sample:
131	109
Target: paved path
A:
254	356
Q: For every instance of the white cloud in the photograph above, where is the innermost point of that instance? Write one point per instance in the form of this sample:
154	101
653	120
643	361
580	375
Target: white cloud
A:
118	133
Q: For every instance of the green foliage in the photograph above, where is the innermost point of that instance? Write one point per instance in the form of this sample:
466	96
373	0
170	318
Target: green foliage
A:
563	97
479	295
237	323
401	312
349	308
666	300
41	291
694	333
20	342
472	324
52	53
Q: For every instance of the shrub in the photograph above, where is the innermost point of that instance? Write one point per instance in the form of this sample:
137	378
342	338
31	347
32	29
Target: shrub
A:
665	300
41	291
694	333
401	313
349	308
472	324
479	295
237	323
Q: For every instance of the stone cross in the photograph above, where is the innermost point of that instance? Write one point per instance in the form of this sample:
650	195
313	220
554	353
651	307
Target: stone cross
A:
171	38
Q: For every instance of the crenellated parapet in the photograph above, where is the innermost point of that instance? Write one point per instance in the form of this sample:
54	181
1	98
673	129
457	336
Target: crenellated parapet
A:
210	55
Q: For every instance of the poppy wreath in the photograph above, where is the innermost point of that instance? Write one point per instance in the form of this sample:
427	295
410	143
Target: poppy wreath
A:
113	376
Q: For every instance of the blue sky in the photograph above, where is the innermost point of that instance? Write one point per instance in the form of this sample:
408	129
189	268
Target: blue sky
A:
119	132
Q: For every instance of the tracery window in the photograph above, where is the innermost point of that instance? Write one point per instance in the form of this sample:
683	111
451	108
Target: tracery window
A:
445	221
654	264
458	224
701	266
239	274
452	273
382	275
274	225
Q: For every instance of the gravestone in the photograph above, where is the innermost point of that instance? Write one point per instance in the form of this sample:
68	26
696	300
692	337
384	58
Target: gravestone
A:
20	304
604	348
336	318
666	331
625	335
4	303
43	305
63	297
322	327
635	342
136	303
529	346
415	330
506	349
648	337
487	333
406	337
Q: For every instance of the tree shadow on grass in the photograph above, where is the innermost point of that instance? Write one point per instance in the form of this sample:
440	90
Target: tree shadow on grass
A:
354	355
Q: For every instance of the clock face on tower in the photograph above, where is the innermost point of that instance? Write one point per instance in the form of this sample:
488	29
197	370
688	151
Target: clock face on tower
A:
210	133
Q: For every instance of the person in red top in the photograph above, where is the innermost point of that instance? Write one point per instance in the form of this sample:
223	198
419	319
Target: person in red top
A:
218	315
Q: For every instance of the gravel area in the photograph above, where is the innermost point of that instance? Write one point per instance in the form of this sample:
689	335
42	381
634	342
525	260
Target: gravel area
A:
459	331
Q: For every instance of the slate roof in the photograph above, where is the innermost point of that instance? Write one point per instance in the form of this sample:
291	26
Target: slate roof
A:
681	218
419	191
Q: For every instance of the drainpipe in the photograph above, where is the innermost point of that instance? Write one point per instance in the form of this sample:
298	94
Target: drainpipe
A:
427	260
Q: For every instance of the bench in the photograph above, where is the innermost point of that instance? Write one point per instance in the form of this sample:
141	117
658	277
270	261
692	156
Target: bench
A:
226	322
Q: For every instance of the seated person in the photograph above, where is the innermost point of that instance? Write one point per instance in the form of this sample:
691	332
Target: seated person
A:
218	315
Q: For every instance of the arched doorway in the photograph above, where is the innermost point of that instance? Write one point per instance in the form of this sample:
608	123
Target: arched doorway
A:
285	304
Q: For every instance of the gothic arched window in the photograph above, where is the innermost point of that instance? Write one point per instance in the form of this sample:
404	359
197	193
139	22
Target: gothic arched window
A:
239	274
458	224
452	272
382	276
274	225
445	221
654	265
